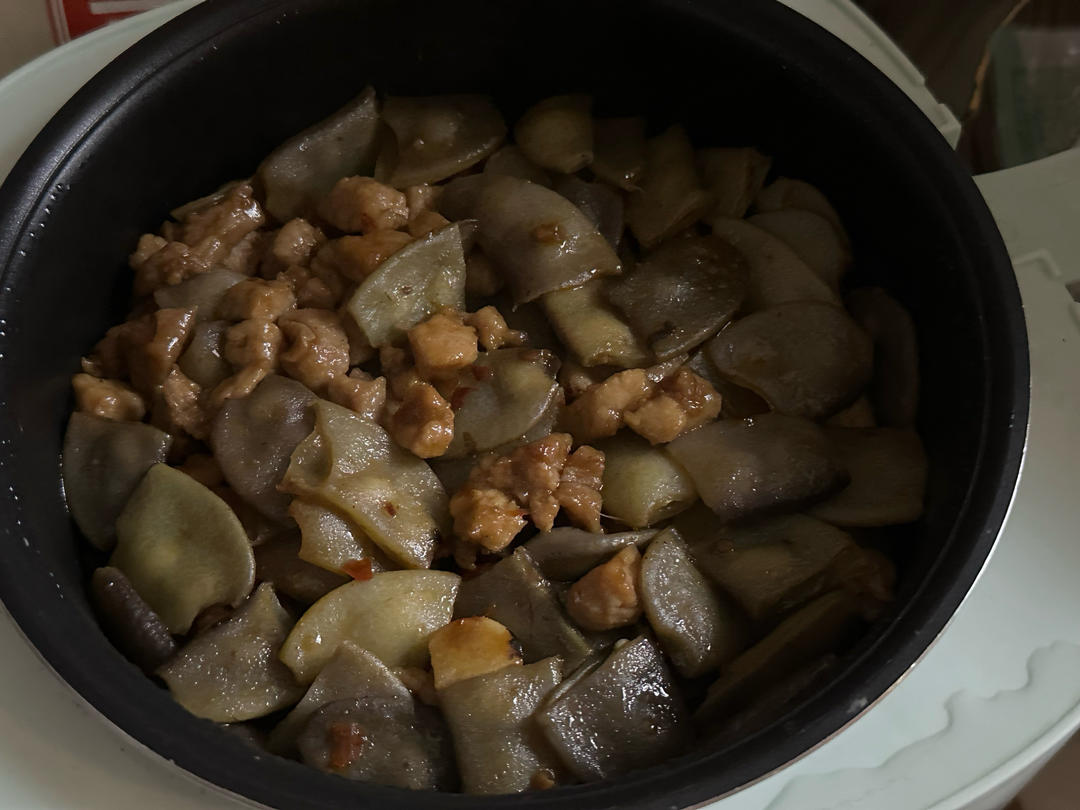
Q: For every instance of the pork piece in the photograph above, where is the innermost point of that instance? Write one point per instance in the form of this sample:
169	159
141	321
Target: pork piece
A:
533	481
109	399
363	205
316	347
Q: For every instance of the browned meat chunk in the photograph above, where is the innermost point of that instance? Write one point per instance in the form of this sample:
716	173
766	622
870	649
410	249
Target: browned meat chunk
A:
492	331
256	298
295	243
160	263
658	411
363	205
239	385
607	597
442	346
538	478
356	257
309	289
254	342
149	363
421	199
398	367
316	347
110	399
684	401
213	231
358	392
598	412
579	487
423	423
426	222
181	401
487	517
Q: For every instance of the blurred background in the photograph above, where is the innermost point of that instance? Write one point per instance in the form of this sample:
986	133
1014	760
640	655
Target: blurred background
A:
1008	69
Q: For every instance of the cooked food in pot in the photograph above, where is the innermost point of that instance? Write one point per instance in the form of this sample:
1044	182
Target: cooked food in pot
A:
455	463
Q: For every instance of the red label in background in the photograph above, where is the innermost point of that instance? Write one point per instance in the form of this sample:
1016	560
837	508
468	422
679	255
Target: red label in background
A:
70	18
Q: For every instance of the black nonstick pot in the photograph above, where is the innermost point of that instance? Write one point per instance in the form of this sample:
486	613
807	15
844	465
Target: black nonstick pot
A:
201	100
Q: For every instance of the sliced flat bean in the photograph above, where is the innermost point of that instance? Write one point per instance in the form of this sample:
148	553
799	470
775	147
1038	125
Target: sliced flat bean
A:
254	436
624	715
619	151
370	739
888	478
776	274
804	358
304	168
200	293
592	329
412	284
643	484
557	133
182	548
753	466
498	746
129	622
204	358
330	541
515	594
813	238
670	198
567	553
697	628
896	354
599	202
435	137
770	566
500	398
230	673
784	192
510	161
682	293
350	465
277	561
352	672
541	240
103	463
820	627
391	615
734	176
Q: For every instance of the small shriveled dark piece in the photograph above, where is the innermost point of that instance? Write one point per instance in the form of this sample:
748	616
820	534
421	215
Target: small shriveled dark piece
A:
129	622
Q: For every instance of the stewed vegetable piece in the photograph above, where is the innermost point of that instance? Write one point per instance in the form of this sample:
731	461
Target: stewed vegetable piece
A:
452	452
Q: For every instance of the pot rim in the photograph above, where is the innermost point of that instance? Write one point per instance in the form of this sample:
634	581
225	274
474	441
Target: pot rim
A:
200	749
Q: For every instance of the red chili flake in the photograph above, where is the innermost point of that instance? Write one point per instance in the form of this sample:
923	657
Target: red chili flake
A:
346	744
360	570
482	372
547	233
457	399
389	508
542	779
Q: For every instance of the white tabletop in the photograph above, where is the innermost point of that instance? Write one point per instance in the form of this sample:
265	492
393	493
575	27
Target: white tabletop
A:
996	694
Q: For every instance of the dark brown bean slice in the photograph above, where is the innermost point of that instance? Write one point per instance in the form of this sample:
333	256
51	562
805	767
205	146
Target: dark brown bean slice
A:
759	465
129	622
682	293
805	358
